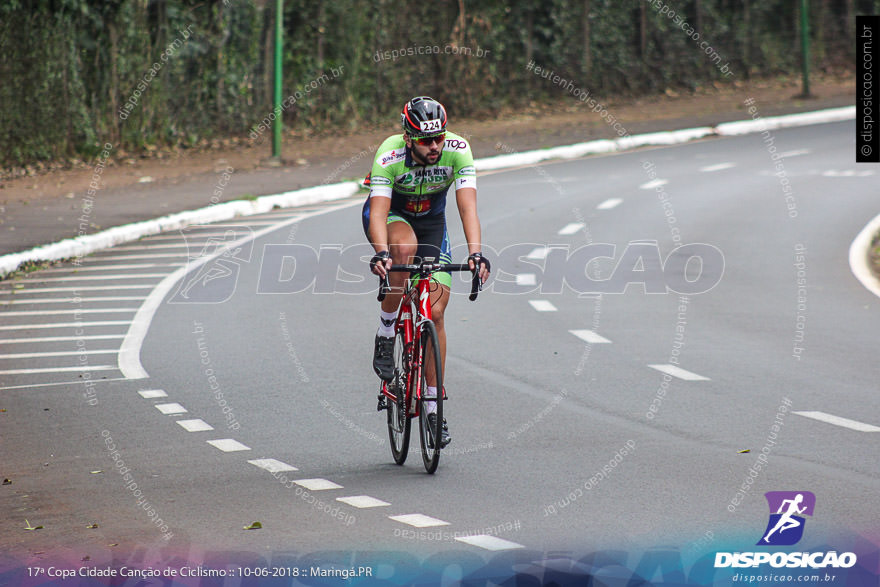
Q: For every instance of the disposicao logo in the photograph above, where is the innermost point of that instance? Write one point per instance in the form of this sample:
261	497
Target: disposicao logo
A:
785	528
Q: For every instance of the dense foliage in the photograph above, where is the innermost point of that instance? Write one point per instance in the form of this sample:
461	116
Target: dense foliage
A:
196	69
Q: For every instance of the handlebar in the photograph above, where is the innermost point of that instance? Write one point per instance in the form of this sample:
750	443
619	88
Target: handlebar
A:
424	269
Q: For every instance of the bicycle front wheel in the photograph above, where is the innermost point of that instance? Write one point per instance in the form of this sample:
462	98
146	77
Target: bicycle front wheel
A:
430	436
399	422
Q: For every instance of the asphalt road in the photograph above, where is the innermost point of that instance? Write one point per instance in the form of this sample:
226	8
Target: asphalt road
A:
770	329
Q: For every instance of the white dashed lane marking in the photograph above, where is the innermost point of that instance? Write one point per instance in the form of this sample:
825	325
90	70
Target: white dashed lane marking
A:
272	465
590	336
228	445
538	253
90	267
152	393
79	288
317	484
419	520
100	277
363	501
492	543
526	279
542	306
195	425
653	184
679	373
796	153
171	409
717	167
838	421
571	228
610	203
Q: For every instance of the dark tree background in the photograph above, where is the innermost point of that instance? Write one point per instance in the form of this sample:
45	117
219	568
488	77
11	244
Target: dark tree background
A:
67	67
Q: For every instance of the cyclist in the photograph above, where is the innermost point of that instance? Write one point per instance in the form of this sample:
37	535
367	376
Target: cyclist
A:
405	217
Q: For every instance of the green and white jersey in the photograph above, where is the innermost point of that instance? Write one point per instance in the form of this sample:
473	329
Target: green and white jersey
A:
420	190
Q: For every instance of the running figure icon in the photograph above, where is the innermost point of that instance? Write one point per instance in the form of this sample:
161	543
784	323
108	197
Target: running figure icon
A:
789	508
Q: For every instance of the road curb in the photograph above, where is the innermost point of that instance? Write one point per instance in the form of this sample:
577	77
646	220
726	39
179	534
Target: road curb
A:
858	256
86	244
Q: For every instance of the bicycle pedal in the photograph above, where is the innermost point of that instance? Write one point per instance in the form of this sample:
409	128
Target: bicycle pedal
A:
383	405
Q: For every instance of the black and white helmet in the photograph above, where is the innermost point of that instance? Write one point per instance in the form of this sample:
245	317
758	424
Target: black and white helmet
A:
423	116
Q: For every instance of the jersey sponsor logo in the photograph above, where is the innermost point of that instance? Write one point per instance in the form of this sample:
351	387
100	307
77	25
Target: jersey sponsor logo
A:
392	157
418	206
457	144
379	180
467	170
430	177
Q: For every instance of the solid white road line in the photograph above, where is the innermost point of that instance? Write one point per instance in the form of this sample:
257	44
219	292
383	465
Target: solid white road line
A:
152	393
272	465
838	421
654	183
363	501
76	311
590	336
57	383
25	291
57	354
858	256
36	279
187	236
679	373
228	445
488	542
81	268
542	306
571	228
526	279
419	520
717	167
129	355
66	325
59	338
171	409
73	300
538	253
195	425
796	153
317	484
96	257
82	369
610	203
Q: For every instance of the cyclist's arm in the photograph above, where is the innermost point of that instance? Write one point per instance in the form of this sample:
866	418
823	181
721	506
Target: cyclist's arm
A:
466	198
378	228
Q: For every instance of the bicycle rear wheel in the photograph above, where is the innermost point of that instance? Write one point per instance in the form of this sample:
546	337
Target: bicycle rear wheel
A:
430	435
399	423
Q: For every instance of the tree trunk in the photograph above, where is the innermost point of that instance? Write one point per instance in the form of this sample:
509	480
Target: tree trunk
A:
747	39
643	30
113	87
587	50
322	17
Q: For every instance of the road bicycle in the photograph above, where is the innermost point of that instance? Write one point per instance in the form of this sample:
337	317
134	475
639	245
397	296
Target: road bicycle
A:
416	350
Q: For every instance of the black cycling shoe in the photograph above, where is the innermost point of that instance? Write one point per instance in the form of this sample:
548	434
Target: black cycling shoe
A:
444	432
383	405
383	357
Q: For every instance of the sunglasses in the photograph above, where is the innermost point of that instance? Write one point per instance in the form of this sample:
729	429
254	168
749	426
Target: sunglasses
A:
428	141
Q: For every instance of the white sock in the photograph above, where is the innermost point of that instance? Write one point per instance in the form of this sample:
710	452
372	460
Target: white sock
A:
429	393
386	323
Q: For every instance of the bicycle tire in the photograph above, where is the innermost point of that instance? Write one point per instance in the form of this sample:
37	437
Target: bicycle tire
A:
399	423
428	343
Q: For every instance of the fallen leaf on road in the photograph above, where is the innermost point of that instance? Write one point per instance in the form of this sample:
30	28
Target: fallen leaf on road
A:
29	527
739	452
254	526
7	482
92	526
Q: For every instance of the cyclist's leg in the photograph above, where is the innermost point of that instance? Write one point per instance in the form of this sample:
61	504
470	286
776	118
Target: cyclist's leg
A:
403	244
